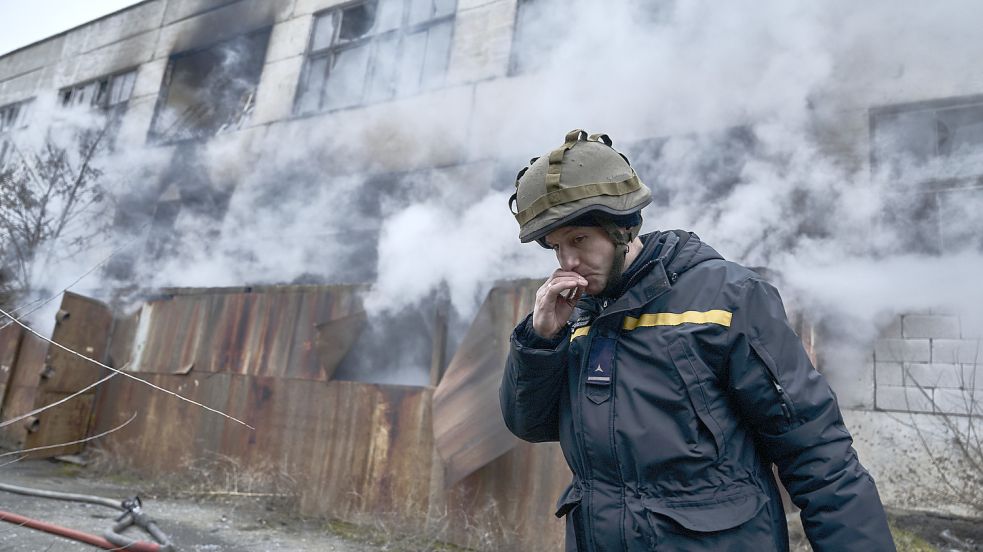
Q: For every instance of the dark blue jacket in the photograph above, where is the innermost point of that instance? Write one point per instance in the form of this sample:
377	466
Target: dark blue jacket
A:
672	402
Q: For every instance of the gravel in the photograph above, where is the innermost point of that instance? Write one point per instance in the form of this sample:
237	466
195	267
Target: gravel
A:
217	524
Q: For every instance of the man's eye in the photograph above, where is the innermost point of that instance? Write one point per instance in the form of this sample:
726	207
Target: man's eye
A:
579	239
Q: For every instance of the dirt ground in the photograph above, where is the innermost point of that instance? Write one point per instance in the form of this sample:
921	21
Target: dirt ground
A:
226	524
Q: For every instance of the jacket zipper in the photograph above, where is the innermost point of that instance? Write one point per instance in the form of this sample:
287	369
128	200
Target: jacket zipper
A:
784	401
588	488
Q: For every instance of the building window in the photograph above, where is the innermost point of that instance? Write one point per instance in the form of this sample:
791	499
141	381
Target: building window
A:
537	33
376	50
14	116
210	90
934	151
918	139
103	93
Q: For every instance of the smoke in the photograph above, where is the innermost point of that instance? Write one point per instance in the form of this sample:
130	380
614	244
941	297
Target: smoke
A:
748	119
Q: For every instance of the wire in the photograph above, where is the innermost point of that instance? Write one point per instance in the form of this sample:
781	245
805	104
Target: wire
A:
46	447
56	403
131	376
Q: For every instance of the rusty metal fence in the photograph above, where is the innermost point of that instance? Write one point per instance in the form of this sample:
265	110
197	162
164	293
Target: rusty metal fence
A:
426	456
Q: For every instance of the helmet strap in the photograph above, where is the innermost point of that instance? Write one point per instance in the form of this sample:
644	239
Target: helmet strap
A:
621	238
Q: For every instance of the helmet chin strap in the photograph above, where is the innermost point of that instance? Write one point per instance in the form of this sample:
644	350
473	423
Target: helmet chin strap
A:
621	238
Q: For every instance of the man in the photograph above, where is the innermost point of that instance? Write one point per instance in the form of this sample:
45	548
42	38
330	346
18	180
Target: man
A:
672	381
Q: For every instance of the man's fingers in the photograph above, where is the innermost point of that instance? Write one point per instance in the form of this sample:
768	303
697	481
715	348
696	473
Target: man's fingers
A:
560	286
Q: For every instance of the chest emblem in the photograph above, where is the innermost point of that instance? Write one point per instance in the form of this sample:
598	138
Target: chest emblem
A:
601	361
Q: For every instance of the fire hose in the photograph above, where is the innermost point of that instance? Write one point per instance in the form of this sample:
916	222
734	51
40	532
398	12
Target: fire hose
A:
112	539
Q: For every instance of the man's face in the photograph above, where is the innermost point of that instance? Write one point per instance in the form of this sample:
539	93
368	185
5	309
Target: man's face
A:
586	250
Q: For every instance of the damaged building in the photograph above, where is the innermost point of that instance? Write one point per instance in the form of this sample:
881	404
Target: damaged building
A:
391	102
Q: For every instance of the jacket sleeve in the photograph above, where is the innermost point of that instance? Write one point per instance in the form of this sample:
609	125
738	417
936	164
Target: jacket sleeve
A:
798	425
534	379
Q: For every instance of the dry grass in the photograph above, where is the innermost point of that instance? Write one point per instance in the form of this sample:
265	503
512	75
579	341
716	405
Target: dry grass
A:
213	475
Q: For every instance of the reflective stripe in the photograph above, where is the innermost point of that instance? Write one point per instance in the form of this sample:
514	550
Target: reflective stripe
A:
579	332
721	317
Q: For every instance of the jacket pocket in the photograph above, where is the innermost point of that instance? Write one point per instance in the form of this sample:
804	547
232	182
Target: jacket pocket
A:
736	522
697	389
788	409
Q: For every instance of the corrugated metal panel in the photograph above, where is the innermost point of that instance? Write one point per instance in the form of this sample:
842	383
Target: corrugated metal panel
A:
352	447
10	337
82	325
468	426
511	500
23	387
280	332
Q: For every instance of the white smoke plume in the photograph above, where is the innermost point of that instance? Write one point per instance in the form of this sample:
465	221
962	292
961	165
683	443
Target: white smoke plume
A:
795	79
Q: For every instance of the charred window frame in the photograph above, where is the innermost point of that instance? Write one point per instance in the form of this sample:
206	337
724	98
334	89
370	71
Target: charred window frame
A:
908	136
374	50
14	115
108	92
210	90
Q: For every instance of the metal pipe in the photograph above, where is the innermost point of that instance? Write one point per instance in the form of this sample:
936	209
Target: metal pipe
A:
94	540
98	500
133	514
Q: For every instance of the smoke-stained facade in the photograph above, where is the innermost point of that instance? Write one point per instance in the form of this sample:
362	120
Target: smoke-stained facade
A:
374	142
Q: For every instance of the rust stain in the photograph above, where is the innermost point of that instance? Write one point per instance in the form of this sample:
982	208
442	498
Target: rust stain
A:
272	332
468	426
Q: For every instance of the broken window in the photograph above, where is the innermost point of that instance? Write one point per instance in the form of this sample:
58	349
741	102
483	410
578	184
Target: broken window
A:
919	138
210	90
14	116
104	93
536	35
932	152
376	50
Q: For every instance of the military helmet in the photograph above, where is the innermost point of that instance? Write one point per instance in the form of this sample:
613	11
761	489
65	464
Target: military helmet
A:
582	176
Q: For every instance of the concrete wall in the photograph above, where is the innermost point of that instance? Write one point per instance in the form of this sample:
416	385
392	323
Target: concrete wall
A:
926	363
146	35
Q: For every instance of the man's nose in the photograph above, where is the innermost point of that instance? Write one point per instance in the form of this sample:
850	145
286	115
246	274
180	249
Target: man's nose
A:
569	260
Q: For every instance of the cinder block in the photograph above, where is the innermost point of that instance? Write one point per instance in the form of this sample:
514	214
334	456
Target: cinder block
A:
962	351
934	375
889	374
958	401
973	376
892	329
906	399
930	326
902	350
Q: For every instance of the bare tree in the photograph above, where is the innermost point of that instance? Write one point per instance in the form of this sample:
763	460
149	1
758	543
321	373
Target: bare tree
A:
46	199
957	458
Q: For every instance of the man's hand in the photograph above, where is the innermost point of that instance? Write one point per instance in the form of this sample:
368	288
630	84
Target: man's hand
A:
555	301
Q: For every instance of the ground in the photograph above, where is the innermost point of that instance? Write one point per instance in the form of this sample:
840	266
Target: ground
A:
236	523
219	524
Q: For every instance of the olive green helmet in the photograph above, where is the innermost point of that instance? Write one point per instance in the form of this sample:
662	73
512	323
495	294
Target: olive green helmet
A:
582	176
